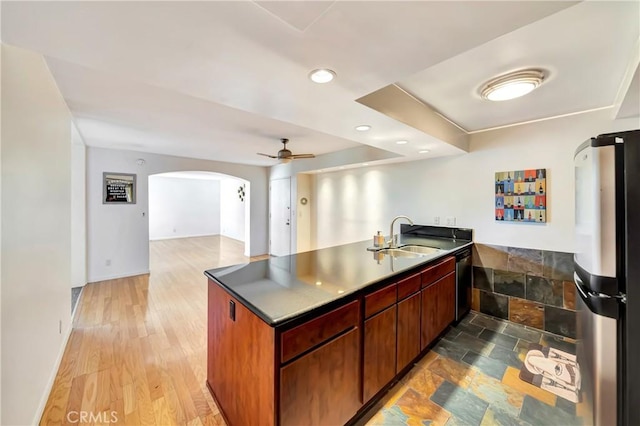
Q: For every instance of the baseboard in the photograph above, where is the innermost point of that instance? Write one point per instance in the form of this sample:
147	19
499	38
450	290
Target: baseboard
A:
177	237
232	238
75	308
117	276
52	378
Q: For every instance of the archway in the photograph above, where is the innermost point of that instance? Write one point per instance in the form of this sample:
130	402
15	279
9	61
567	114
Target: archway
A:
198	216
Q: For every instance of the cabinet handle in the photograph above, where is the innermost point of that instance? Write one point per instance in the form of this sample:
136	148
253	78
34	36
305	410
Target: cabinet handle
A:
232	310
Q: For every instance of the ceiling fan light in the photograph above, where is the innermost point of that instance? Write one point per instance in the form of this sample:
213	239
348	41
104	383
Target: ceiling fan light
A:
322	75
512	85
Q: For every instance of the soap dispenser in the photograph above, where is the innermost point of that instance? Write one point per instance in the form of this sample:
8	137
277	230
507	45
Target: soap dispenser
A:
378	239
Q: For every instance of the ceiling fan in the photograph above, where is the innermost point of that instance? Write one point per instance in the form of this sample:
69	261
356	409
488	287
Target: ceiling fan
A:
285	155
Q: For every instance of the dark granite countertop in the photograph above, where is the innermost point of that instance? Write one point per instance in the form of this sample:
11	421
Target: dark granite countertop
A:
281	288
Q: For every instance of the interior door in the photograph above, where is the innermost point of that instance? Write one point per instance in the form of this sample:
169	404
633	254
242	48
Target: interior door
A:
280	217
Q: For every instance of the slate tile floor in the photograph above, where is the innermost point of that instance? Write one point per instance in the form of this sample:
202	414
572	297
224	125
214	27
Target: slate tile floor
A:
470	377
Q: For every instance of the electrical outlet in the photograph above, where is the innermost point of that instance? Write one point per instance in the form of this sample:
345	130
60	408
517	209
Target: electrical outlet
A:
436	220
451	221
107	262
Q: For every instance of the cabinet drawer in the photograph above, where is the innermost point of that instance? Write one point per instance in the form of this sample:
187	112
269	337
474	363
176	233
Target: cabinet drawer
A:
409	285
305	336
380	300
437	271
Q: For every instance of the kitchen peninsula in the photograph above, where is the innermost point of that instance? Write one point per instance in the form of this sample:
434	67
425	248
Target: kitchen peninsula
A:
317	337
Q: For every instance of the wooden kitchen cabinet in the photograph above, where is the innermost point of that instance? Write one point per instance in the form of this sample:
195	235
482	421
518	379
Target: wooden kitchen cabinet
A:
241	350
324	367
379	359
438	308
320	376
322	387
379	351
438	298
408	334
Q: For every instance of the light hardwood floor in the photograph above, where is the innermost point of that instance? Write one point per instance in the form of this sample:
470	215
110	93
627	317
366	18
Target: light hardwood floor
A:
137	352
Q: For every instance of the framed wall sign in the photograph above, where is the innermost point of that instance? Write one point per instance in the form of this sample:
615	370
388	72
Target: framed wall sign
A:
118	188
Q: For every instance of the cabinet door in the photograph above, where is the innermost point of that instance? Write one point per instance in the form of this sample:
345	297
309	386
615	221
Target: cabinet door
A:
408	331
429	301
438	308
379	351
446	302
322	387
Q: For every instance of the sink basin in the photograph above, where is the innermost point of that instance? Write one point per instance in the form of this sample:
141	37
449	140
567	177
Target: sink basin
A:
399	253
420	249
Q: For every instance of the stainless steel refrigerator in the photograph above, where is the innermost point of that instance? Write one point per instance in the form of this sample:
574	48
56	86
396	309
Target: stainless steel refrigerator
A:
607	277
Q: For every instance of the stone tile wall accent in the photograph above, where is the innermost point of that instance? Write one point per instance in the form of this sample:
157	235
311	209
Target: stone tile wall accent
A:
530	287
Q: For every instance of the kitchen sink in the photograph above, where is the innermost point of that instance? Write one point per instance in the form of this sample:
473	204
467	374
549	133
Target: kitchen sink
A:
420	249
399	253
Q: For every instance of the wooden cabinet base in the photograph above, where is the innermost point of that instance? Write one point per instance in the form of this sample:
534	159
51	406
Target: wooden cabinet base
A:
323	386
379	366
327	367
240	351
438	308
408	345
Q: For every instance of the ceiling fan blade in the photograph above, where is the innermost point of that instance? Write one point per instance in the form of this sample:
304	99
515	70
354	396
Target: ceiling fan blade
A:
299	156
267	155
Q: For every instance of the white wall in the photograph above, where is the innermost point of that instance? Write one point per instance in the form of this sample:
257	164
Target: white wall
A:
180	207
78	210
232	209
36	233
120	233
302	223
352	205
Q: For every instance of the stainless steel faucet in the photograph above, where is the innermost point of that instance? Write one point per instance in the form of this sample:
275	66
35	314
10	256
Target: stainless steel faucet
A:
392	243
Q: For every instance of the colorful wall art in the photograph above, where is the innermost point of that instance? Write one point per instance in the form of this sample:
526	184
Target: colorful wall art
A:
521	196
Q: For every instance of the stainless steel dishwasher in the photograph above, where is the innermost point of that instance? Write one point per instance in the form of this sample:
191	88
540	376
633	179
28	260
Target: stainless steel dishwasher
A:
464	276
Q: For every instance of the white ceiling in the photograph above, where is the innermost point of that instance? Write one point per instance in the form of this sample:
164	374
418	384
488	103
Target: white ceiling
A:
224	80
586	50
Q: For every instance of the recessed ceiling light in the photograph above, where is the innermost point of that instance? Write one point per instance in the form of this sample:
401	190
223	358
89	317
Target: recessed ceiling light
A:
365	164
363	128
318	282
341	167
423	151
340	291
402	142
512	85
322	75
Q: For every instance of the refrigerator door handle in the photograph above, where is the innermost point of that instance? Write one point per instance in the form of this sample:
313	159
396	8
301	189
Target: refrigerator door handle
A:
579	284
587	294
598	303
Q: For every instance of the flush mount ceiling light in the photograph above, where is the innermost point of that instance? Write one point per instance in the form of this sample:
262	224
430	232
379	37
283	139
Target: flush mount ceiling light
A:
322	75
512	85
402	142
363	128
